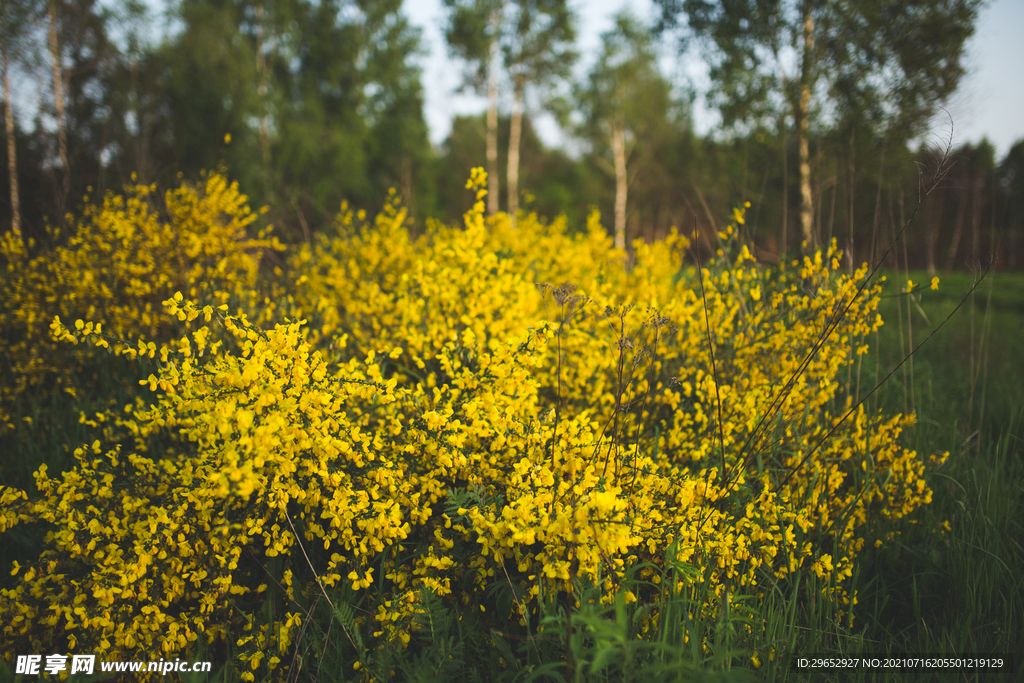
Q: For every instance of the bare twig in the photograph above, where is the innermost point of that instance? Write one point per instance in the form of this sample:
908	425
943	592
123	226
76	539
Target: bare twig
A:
879	384
714	370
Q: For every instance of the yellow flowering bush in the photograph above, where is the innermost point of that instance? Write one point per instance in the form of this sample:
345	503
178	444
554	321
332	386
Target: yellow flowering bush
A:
119	262
450	421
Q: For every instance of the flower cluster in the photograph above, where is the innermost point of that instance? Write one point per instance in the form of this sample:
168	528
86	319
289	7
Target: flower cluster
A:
119	262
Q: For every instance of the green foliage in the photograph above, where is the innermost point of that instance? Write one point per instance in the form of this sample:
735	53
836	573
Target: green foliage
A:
625	83
626	94
471	28
539	43
885	61
556	184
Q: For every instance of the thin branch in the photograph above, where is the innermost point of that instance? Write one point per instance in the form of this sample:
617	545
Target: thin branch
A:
879	384
840	311
714	369
317	577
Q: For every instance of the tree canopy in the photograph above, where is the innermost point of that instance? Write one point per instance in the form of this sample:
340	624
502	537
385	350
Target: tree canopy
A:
887	63
309	104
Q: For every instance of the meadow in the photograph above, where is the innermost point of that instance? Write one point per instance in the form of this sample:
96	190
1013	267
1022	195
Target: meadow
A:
488	453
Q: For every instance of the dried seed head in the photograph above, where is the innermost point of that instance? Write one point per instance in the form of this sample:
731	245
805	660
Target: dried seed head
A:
659	321
563	293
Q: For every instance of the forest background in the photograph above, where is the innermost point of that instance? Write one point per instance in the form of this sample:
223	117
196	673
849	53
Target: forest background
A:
323	103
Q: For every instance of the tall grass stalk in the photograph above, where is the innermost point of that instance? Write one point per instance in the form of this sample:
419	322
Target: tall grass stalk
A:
910	315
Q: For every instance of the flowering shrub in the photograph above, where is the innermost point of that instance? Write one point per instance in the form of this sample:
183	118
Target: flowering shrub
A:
447	424
119	263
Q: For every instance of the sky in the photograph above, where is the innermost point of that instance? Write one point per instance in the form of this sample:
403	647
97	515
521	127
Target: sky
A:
989	102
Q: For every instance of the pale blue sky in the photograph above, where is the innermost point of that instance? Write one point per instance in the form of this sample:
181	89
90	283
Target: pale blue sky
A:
990	101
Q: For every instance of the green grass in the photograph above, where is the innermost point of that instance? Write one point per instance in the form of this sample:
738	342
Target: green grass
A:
983	336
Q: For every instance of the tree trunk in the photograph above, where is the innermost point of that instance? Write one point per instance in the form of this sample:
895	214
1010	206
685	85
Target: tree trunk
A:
58	95
803	113
513	150
621	186
979	182
785	193
878	206
492	119
832	211
261	69
817	212
142	136
852	168
12	158
407	186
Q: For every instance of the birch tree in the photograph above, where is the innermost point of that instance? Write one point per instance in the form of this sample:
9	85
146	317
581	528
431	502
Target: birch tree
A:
58	99
626	103
539	52
888	62
16	19
533	40
473	33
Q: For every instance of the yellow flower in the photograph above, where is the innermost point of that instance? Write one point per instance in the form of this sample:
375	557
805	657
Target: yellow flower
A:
935	283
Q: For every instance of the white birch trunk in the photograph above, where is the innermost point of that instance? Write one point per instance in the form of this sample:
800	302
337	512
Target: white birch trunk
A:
803	113
621	184
492	119
12	158
58	95
513	151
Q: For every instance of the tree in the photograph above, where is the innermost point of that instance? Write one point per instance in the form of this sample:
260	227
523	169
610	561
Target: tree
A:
890	62
473	33
12	155
128	121
626	103
203	84
539	51
535	40
81	63
321	103
351	122
17	17
398	141
971	185
558	184
89	56
58	98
